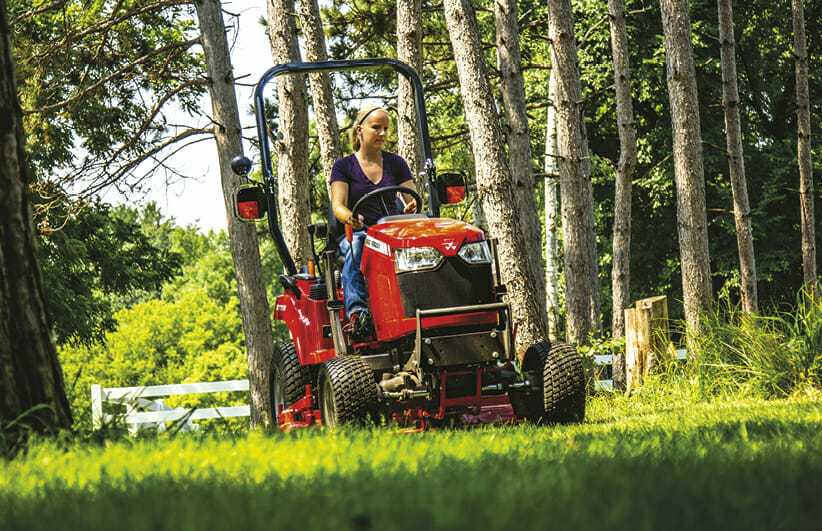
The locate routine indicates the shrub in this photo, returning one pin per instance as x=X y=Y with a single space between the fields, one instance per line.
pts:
x=762 y=355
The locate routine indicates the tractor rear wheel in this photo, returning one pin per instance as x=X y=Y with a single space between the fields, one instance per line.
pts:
x=558 y=367
x=288 y=380
x=348 y=392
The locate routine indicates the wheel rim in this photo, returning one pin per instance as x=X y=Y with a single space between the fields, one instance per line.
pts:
x=277 y=396
x=327 y=404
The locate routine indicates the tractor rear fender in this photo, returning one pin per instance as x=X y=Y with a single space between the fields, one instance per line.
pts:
x=307 y=321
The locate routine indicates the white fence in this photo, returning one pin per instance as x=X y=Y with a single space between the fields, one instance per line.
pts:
x=605 y=359
x=157 y=414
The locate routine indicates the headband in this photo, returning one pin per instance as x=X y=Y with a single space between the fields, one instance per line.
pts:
x=366 y=115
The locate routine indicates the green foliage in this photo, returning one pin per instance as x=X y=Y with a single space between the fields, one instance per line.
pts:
x=722 y=465
x=93 y=80
x=184 y=327
x=759 y=355
x=98 y=256
x=192 y=339
x=599 y=346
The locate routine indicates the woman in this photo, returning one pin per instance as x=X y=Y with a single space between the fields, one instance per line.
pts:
x=369 y=168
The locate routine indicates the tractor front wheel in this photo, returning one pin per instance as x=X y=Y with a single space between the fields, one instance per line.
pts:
x=347 y=391
x=556 y=369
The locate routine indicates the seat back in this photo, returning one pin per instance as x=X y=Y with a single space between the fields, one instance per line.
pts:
x=335 y=229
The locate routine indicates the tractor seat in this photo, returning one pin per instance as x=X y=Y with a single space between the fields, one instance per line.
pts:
x=336 y=230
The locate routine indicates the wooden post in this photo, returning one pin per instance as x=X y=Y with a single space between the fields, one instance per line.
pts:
x=646 y=338
x=660 y=335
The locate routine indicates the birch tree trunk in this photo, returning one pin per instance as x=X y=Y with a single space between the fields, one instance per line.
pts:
x=320 y=82
x=736 y=160
x=30 y=373
x=803 y=124
x=493 y=175
x=248 y=267
x=551 y=211
x=409 y=51
x=517 y=135
x=621 y=261
x=692 y=219
x=579 y=241
x=291 y=137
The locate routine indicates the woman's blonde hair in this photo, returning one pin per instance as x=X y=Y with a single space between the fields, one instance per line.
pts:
x=361 y=116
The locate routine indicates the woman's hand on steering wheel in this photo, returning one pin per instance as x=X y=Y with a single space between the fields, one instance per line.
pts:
x=412 y=206
x=357 y=222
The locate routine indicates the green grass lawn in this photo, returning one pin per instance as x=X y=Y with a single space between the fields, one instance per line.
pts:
x=722 y=465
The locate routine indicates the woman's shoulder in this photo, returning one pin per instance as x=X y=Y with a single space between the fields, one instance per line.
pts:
x=399 y=168
x=347 y=160
x=343 y=168
x=394 y=160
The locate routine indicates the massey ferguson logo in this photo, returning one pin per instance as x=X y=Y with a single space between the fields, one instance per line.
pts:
x=450 y=244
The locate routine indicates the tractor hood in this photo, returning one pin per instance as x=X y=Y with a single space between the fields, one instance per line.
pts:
x=446 y=235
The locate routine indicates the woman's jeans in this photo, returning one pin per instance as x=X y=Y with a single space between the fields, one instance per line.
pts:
x=354 y=290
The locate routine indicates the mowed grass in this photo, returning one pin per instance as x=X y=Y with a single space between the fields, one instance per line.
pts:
x=722 y=465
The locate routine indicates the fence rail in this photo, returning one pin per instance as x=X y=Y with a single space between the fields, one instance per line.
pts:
x=135 y=398
x=602 y=360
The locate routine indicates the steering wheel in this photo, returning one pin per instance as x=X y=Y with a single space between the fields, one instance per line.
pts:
x=395 y=189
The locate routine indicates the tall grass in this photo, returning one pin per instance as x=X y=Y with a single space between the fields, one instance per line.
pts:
x=761 y=355
x=727 y=465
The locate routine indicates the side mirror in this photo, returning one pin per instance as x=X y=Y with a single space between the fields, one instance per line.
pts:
x=451 y=188
x=241 y=165
x=250 y=202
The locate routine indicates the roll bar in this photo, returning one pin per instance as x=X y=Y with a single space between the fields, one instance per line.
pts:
x=269 y=180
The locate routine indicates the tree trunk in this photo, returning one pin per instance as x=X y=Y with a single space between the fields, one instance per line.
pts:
x=803 y=124
x=551 y=210
x=517 y=136
x=254 y=307
x=493 y=175
x=320 y=82
x=409 y=51
x=594 y=302
x=692 y=219
x=30 y=373
x=621 y=258
x=291 y=136
x=736 y=160
x=579 y=240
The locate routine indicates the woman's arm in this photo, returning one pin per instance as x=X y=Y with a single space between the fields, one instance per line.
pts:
x=410 y=202
x=339 y=203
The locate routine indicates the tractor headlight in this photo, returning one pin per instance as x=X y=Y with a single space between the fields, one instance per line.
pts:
x=417 y=258
x=476 y=253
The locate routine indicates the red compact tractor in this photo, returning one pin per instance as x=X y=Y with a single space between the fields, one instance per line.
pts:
x=442 y=349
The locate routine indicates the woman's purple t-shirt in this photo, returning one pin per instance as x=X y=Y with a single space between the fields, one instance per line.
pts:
x=395 y=171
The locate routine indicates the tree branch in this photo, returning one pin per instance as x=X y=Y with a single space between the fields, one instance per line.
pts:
x=119 y=72
x=35 y=12
x=154 y=112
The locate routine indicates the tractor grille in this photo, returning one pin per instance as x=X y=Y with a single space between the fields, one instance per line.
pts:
x=454 y=283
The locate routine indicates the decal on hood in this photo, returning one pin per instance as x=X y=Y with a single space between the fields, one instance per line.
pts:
x=377 y=245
